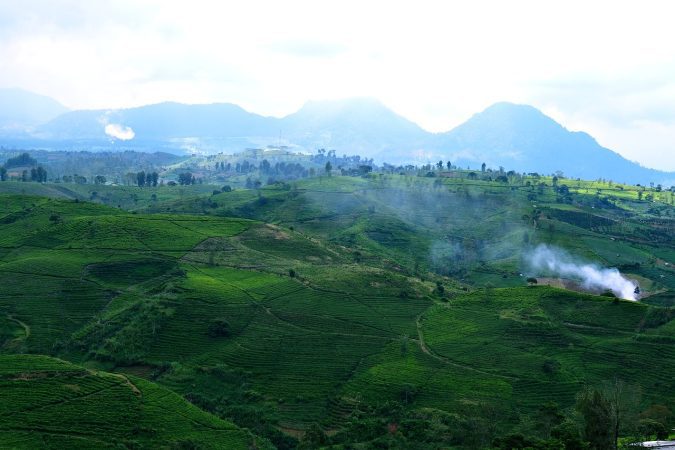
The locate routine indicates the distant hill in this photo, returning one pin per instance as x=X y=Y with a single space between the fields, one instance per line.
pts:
x=517 y=137
x=363 y=125
x=521 y=137
x=162 y=121
x=21 y=109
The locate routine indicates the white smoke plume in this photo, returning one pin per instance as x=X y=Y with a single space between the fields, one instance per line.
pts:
x=119 y=131
x=553 y=261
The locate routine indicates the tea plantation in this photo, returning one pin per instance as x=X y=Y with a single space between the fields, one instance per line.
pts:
x=380 y=312
x=50 y=403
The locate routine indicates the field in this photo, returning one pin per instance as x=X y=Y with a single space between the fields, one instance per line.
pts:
x=49 y=403
x=322 y=311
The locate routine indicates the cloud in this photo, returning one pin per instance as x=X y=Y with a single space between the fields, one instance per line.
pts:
x=308 y=48
x=119 y=132
x=435 y=62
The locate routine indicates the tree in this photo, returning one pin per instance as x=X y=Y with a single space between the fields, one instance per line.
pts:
x=185 y=179
x=328 y=167
x=439 y=164
x=22 y=160
x=314 y=437
x=448 y=165
x=597 y=413
x=624 y=400
x=3 y=174
x=227 y=188
x=100 y=179
x=658 y=413
x=549 y=416
x=24 y=175
x=219 y=328
x=140 y=178
x=482 y=167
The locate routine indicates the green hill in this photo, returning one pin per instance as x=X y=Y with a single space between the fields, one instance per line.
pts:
x=50 y=403
x=381 y=311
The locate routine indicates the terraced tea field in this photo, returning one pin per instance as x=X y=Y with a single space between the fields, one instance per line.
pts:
x=49 y=403
x=324 y=312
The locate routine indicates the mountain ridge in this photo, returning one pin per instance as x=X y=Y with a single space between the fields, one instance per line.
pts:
x=515 y=136
x=24 y=109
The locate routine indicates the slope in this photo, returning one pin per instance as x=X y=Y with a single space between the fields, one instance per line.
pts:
x=21 y=110
x=50 y=403
x=520 y=137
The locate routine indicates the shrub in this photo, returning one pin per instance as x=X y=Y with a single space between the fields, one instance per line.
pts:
x=219 y=328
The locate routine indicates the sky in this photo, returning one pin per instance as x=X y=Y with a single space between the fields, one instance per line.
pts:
x=604 y=67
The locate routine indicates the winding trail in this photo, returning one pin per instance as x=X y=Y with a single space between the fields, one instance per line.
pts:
x=128 y=382
x=26 y=331
x=428 y=351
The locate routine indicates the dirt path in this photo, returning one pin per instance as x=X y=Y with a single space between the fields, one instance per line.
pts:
x=26 y=331
x=428 y=351
x=128 y=382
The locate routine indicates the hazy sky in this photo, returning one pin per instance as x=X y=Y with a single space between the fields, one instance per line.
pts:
x=605 y=67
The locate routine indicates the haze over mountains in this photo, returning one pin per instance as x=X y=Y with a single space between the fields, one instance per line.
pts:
x=517 y=137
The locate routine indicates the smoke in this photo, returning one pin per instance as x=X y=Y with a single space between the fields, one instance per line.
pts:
x=119 y=131
x=553 y=261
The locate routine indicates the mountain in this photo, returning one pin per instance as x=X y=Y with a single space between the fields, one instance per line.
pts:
x=517 y=137
x=162 y=121
x=361 y=125
x=20 y=110
x=522 y=138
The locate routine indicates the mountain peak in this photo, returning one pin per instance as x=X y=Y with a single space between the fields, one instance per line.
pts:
x=349 y=105
x=511 y=118
x=20 y=108
x=514 y=111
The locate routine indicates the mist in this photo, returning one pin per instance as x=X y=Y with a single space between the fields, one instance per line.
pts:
x=546 y=260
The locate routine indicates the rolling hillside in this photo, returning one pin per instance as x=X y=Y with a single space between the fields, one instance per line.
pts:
x=52 y=404
x=324 y=312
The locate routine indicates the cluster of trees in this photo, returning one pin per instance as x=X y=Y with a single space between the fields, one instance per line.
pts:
x=37 y=173
x=147 y=179
x=224 y=167
x=283 y=169
x=22 y=160
x=359 y=171
x=302 y=167
x=186 y=178
x=322 y=156
x=78 y=179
